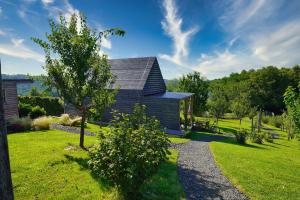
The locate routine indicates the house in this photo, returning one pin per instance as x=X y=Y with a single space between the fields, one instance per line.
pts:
x=140 y=81
x=10 y=96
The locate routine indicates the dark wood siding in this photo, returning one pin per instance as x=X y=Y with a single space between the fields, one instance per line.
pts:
x=155 y=82
x=125 y=101
x=11 y=99
x=165 y=110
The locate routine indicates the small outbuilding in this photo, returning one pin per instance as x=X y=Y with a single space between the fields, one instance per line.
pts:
x=10 y=96
x=140 y=81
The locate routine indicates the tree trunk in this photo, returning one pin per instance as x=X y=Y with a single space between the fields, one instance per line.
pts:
x=252 y=124
x=259 y=120
x=6 y=190
x=240 y=121
x=82 y=130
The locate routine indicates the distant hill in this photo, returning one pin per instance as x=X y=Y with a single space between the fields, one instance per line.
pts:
x=24 y=88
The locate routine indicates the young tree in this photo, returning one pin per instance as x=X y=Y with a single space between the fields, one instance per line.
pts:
x=251 y=114
x=240 y=106
x=74 y=65
x=6 y=189
x=217 y=102
x=196 y=84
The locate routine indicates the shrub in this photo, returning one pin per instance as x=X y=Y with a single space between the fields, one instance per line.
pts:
x=36 y=112
x=15 y=125
x=241 y=136
x=53 y=106
x=24 y=109
x=265 y=119
x=268 y=137
x=257 y=137
x=41 y=123
x=76 y=121
x=130 y=151
x=65 y=120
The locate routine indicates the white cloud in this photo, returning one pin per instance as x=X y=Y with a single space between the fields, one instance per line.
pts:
x=46 y=2
x=18 y=49
x=172 y=25
x=2 y=33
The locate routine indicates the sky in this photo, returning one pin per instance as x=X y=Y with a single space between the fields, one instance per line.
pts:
x=213 y=37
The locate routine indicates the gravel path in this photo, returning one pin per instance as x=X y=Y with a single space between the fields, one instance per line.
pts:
x=200 y=176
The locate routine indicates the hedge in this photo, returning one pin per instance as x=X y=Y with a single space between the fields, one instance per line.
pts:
x=52 y=105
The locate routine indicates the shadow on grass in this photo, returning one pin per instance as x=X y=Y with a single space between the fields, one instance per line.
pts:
x=83 y=163
x=208 y=137
x=164 y=184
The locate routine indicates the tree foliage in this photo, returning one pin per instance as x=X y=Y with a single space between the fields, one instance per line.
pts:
x=195 y=83
x=75 y=67
x=292 y=100
x=130 y=151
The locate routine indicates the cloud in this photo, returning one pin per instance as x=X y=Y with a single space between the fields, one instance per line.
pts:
x=46 y=2
x=2 y=33
x=18 y=49
x=264 y=35
x=172 y=26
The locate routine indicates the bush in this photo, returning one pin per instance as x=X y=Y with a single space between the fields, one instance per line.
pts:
x=24 y=109
x=257 y=137
x=130 y=151
x=19 y=125
x=265 y=119
x=41 y=123
x=65 y=120
x=268 y=137
x=241 y=136
x=36 y=112
x=53 y=106
x=76 y=121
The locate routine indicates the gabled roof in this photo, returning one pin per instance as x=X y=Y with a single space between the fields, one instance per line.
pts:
x=131 y=73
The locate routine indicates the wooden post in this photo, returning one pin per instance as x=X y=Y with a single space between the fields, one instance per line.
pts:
x=191 y=110
x=6 y=190
x=185 y=114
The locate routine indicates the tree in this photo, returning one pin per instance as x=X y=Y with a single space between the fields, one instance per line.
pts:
x=6 y=189
x=292 y=101
x=34 y=92
x=251 y=114
x=74 y=65
x=217 y=102
x=240 y=106
x=196 y=84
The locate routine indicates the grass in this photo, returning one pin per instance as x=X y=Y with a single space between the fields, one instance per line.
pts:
x=49 y=165
x=266 y=171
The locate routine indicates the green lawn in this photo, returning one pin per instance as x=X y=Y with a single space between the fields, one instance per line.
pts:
x=267 y=171
x=45 y=167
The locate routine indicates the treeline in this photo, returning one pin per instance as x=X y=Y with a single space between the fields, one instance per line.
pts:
x=262 y=89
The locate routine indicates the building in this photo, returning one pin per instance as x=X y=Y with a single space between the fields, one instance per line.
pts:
x=140 y=82
x=10 y=96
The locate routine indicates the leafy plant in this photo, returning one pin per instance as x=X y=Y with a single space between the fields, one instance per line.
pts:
x=24 y=109
x=130 y=151
x=257 y=137
x=41 y=123
x=36 y=112
x=268 y=137
x=241 y=136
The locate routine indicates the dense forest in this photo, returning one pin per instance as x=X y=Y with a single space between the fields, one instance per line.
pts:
x=262 y=88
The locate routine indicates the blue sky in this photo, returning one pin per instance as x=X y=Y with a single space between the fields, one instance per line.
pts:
x=215 y=38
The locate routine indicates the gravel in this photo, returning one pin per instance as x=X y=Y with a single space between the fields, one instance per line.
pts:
x=70 y=129
x=200 y=176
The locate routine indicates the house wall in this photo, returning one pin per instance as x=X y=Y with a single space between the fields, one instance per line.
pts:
x=155 y=82
x=165 y=110
x=125 y=102
x=11 y=99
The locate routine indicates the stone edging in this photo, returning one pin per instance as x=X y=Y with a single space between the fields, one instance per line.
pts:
x=70 y=129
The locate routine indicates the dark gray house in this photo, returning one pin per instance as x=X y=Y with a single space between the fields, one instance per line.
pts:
x=140 y=81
